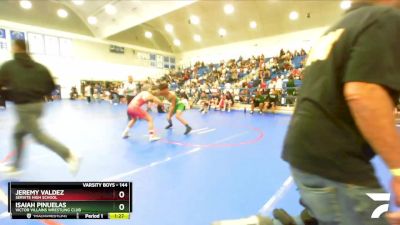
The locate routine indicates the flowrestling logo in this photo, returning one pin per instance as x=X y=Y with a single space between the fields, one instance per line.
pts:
x=380 y=197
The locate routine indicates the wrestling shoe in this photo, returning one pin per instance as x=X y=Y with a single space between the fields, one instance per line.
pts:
x=74 y=162
x=125 y=134
x=169 y=124
x=188 y=129
x=154 y=138
x=252 y=220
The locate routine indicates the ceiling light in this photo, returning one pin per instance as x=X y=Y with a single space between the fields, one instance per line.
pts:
x=197 y=38
x=92 y=20
x=177 y=42
x=110 y=9
x=222 y=32
x=25 y=4
x=78 y=2
x=194 y=20
x=229 y=9
x=148 y=34
x=169 y=28
x=294 y=15
x=253 y=25
x=345 y=5
x=62 y=13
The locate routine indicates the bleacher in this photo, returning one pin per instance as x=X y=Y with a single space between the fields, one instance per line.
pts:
x=246 y=93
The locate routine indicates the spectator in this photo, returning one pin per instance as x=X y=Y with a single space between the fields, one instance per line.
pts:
x=263 y=85
x=91 y=90
x=282 y=54
x=73 y=94
x=114 y=97
x=88 y=94
x=96 y=93
x=279 y=84
x=273 y=99
x=257 y=101
x=121 y=93
x=146 y=85
x=230 y=101
x=272 y=84
x=204 y=102
x=291 y=90
x=303 y=52
x=130 y=89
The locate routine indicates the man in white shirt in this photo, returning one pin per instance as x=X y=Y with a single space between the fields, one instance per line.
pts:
x=130 y=89
x=228 y=86
x=279 y=83
x=272 y=84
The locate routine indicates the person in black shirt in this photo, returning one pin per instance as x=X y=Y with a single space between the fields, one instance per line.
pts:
x=344 y=116
x=290 y=91
x=73 y=94
x=258 y=101
x=204 y=102
x=26 y=82
x=229 y=101
x=272 y=100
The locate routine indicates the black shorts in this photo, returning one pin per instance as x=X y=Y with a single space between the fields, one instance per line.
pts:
x=272 y=102
x=257 y=103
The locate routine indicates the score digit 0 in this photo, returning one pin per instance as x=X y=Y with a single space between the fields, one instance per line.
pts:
x=121 y=194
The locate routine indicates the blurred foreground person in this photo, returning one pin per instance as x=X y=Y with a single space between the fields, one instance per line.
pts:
x=344 y=117
x=2 y=101
x=26 y=83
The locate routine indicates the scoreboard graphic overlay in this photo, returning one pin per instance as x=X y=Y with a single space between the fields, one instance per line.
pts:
x=70 y=200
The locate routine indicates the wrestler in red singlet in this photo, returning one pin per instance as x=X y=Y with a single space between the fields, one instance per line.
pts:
x=134 y=107
x=136 y=113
